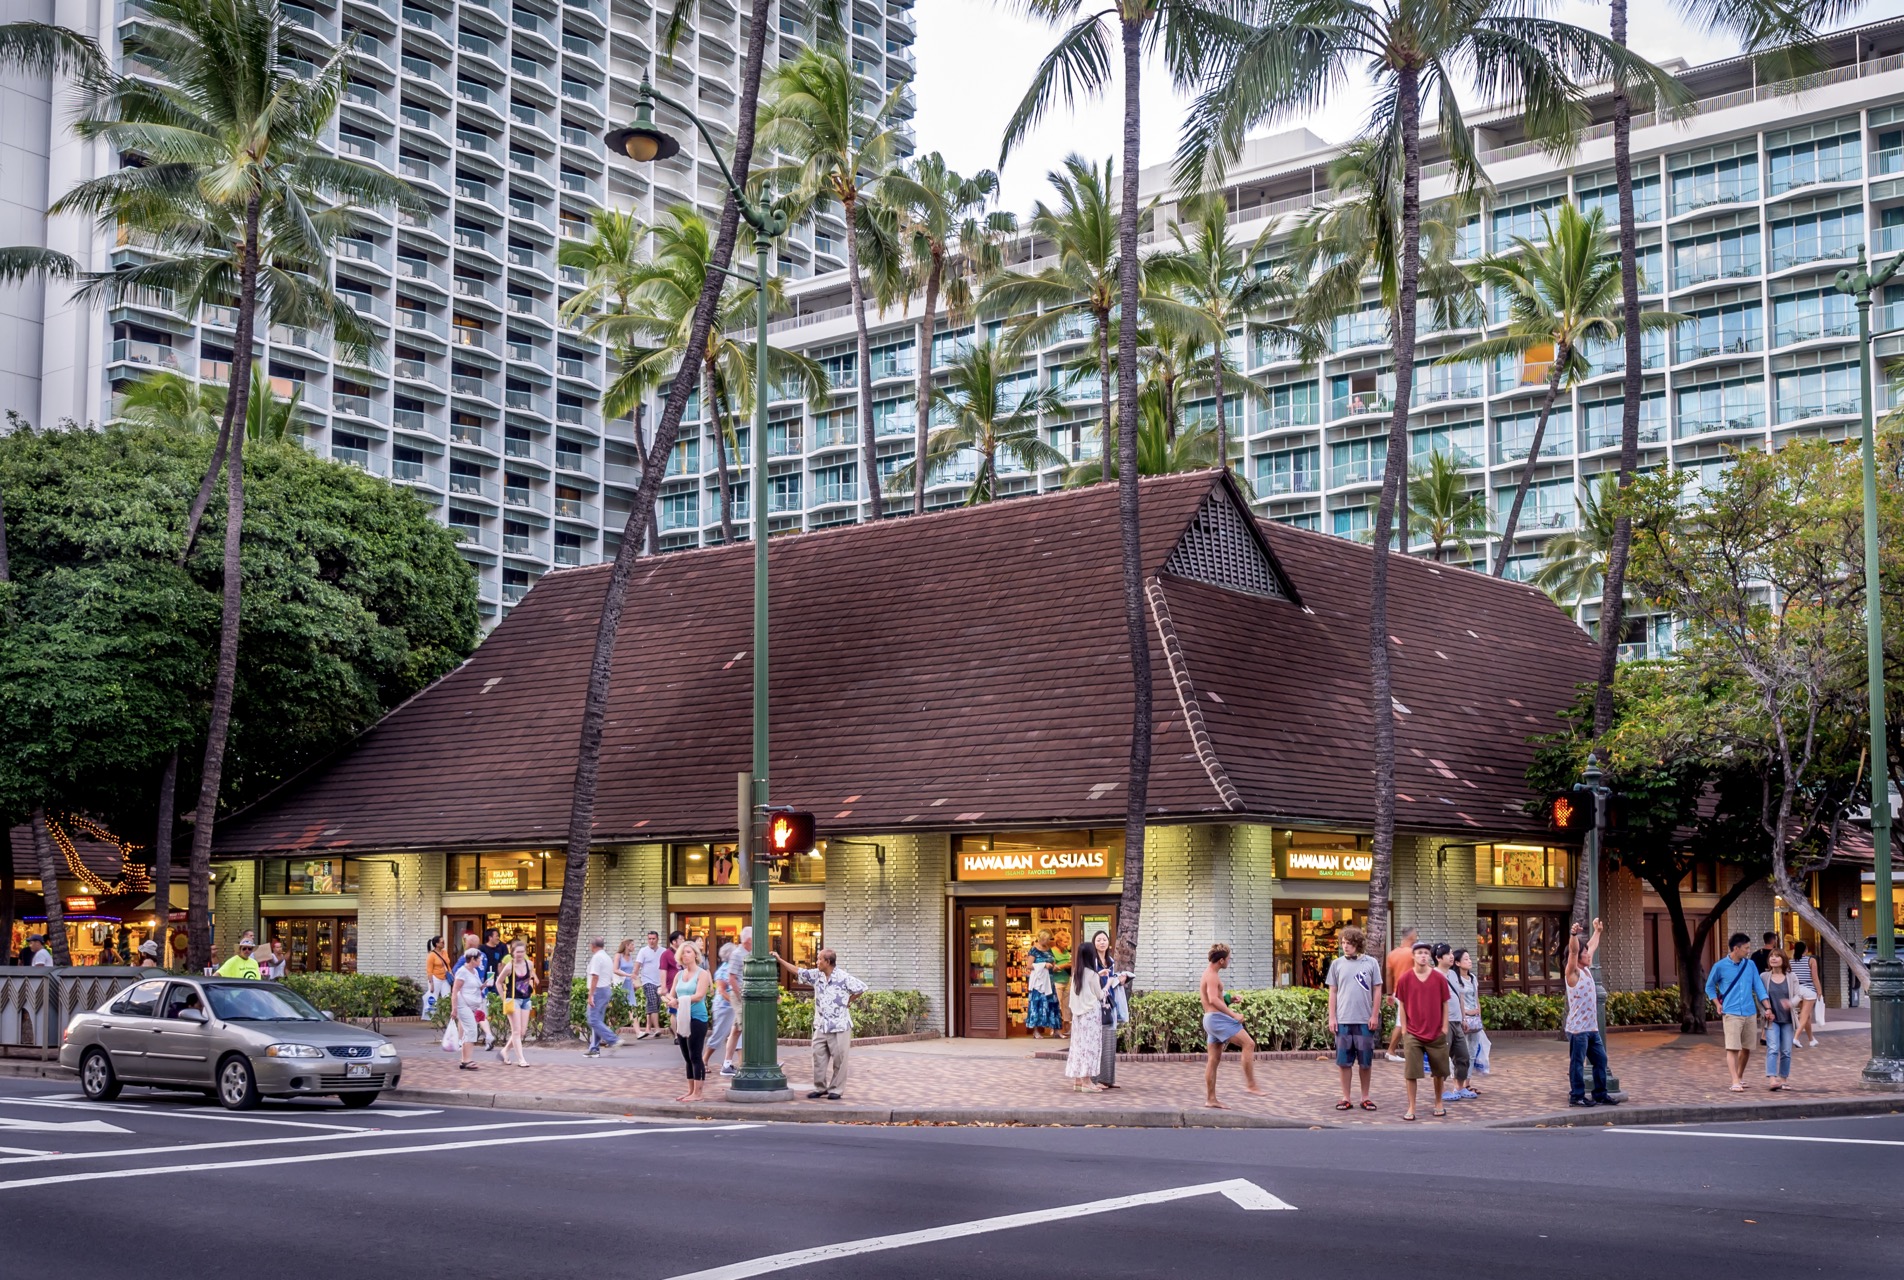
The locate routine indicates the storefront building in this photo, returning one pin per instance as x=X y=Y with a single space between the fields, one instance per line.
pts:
x=106 y=893
x=962 y=739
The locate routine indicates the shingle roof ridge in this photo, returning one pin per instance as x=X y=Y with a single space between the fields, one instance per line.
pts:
x=1420 y=565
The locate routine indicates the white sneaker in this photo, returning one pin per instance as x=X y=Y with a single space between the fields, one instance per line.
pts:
x=727 y=1068
x=1393 y=1057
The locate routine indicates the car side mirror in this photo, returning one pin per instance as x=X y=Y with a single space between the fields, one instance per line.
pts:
x=191 y=1015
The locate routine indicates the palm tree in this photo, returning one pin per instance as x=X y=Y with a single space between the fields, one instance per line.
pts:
x=1160 y=451
x=1563 y=291
x=588 y=748
x=837 y=152
x=1574 y=562
x=650 y=323
x=953 y=240
x=988 y=416
x=41 y=48
x=1191 y=33
x=1219 y=277
x=171 y=402
x=1420 y=52
x=1442 y=509
x=229 y=138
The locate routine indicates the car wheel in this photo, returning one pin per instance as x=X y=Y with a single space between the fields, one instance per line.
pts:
x=96 y=1076
x=237 y=1084
x=355 y=1100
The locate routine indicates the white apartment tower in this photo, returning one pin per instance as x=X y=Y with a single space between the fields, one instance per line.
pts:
x=494 y=110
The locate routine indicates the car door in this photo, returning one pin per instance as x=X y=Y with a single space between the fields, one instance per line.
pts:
x=127 y=1029
x=182 y=1047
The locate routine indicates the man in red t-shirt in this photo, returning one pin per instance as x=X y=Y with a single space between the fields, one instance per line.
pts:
x=1422 y=996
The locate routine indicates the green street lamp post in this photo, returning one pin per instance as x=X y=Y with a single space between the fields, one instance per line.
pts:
x=759 y=1078
x=1596 y=843
x=1886 y=1068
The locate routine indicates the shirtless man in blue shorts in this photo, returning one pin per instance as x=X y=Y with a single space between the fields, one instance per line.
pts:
x=1221 y=1027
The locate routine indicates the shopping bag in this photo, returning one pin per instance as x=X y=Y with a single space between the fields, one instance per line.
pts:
x=1482 y=1046
x=452 y=1039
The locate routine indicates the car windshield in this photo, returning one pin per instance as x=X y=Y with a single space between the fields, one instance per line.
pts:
x=260 y=1004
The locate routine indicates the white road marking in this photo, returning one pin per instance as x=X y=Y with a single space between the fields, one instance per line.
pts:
x=61 y=1126
x=1762 y=1137
x=1240 y=1190
x=276 y=1162
x=190 y=1113
x=42 y=1157
x=391 y=1111
x=21 y=1151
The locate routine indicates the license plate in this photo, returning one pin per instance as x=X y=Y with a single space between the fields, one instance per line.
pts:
x=357 y=1071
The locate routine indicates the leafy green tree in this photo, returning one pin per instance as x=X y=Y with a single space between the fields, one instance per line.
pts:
x=230 y=141
x=1442 y=509
x=837 y=152
x=988 y=416
x=1764 y=576
x=1421 y=52
x=952 y=239
x=1563 y=291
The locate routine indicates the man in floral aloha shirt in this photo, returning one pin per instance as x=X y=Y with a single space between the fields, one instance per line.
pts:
x=834 y=990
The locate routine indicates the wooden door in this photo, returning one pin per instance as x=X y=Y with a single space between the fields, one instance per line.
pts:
x=983 y=965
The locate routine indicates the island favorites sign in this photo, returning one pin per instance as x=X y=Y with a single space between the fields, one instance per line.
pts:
x=1035 y=864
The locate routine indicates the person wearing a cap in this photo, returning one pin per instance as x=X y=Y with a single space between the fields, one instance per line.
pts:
x=42 y=958
x=241 y=965
x=149 y=954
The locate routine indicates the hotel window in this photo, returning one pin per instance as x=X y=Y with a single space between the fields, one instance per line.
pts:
x=1521 y=866
x=308 y=876
x=504 y=872
x=696 y=866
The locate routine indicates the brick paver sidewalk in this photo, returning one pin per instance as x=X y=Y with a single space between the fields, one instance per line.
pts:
x=1529 y=1079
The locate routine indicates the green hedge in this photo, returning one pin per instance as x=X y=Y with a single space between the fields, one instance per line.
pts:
x=877 y=1013
x=354 y=996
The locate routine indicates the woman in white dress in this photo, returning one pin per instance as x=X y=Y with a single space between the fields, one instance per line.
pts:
x=1086 y=994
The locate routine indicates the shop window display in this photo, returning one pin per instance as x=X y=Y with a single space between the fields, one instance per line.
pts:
x=1521 y=866
x=1307 y=938
x=523 y=872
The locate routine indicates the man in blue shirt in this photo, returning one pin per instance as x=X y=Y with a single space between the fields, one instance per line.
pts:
x=1735 y=983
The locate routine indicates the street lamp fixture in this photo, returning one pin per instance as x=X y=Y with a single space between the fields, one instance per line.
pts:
x=1886 y=1067
x=759 y=1078
x=1592 y=783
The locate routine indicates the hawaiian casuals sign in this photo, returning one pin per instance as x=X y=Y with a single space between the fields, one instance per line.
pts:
x=1327 y=864
x=1049 y=864
x=831 y=993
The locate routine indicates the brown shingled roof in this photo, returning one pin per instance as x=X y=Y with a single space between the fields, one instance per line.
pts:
x=966 y=668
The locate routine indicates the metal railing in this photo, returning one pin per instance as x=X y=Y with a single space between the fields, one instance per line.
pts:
x=36 y=1003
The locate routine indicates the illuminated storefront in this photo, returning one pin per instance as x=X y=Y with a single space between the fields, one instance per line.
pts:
x=708 y=900
x=310 y=905
x=518 y=893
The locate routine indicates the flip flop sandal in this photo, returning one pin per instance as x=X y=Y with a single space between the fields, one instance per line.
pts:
x=1439 y=1115
x=1409 y=1116
x=1344 y=1105
x=1367 y=1105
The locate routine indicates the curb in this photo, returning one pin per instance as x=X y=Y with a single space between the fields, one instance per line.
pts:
x=1724 y=1113
x=35 y=1069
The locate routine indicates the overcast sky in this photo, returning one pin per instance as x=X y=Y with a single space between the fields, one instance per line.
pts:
x=976 y=59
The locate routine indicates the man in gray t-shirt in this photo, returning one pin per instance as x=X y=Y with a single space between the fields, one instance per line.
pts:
x=1355 y=993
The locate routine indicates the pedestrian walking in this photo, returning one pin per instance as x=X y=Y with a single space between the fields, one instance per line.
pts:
x=1458 y=1060
x=1781 y=997
x=1468 y=989
x=1805 y=983
x=834 y=990
x=625 y=975
x=688 y=1001
x=1222 y=1027
x=1421 y=1003
x=149 y=954
x=1734 y=983
x=516 y=985
x=601 y=985
x=648 y=973
x=467 y=1000
x=238 y=965
x=1086 y=995
x=1107 y=980
x=1042 y=1013
x=1768 y=943
x=494 y=950
x=726 y=1007
x=436 y=974
x=736 y=980
x=1355 y=995
x=1585 y=1044
x=1400 y=960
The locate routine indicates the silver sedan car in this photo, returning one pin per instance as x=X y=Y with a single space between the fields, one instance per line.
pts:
x=236 y=1039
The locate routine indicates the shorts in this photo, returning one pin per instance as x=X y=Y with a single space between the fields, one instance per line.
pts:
x=524 y=1004
x=722 y=1025
x=1221 y=1028
x=653 y=994
x=1413 y=1047
x=1354 y=1044
x=1741 y=1031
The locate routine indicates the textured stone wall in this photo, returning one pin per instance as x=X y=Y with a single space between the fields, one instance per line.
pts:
x=1750 y=912
x=1245 y=874
x=1623 y=946
x=399 y=908
x=886 y=923
x=1433 y=891
x=1187 y=906
x=234 y=907
x=626 y=895
x=1838 y=894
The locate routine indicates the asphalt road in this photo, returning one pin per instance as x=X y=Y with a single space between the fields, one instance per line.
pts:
x=403 y=1191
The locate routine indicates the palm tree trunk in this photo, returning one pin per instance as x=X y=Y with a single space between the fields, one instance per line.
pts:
x=203 y=498
x=921 y=430
x=49 y=889
x=5 y=572
x=717 y=413
x=588 y=751
x=868 y=447
x=1105 y=437
x=162 y=855
x=225 y=679
x=1394 y=472
x=1222 y=437
x=1137 y=789
x=1561 y=355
